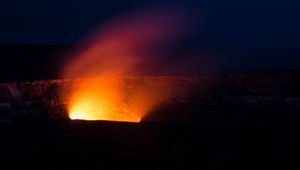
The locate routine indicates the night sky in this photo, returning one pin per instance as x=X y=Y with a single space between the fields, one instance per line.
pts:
x=253 y=34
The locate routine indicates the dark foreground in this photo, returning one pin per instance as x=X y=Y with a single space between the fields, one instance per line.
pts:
x=69 y=144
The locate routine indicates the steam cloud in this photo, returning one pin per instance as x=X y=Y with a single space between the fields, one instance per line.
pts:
x=125 y=46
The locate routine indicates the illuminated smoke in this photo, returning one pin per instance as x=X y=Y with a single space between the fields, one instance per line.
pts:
x=116 y=50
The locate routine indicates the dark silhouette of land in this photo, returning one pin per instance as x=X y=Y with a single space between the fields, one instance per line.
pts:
x=152 y=145
x=240 y=120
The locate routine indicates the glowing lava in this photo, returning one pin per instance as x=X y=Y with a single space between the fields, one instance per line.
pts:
x=100 y=99
x=97 y=110
x=89 y=109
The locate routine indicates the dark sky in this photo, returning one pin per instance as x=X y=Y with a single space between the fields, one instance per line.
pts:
x=250 y=28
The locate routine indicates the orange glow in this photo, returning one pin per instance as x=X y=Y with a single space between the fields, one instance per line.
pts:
x=100 y=99
x=95 y=109
x=120 y=48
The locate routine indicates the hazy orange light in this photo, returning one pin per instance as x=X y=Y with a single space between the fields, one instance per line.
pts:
x=117 y=50
x=89 y=109
x=96 y=110
x=100 y=98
